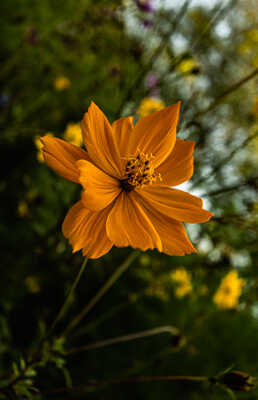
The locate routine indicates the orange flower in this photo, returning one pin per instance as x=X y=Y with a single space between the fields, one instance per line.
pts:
x=126 y=174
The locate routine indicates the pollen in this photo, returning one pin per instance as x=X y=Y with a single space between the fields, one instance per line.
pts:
x=139 y=172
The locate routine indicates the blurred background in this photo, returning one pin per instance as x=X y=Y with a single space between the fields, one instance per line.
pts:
x=131 y=58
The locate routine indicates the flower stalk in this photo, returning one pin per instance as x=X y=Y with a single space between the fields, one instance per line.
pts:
x=114 y=277
x=67 y=302
x=118 y=381
x=126 y=338
x=155 y=378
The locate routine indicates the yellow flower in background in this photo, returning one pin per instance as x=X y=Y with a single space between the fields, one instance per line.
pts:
x=183 y=282
x=73 y=134
x=23 y=209
x=149 y=105
x=32 y=284
x=189 y=66
x=62 y=83
x=39 y=146
x=182 y=290
x=229 y=291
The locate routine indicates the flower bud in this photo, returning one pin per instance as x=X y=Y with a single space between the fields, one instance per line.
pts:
x=237 y=381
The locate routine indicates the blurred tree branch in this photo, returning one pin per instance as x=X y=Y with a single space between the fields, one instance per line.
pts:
x=125 y=338
x=252 y=182
x=228 y=91
x=226 y=159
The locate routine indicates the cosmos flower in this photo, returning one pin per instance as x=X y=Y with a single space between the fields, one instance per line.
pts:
x=189 y=66
x=183 y=282
x=126 y=174
x=229 y=291
x=149 y=105
x=73 y=134
x=62 y=83
x=39 y=146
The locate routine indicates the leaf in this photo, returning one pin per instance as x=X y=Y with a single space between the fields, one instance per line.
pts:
x=15 y=369
x=231 y=394
x=225 y=371
x=30 y=372
x=68 y=379
x=22 y=364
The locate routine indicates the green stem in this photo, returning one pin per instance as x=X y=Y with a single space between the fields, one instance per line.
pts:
x=82 y=388
x=119 y=271
x=126 y=338
x=67 y=302
x=153 y=379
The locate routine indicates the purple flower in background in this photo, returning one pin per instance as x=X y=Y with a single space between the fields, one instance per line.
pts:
x=151 y=83
x=145 y=5
x=147 y=23
x=151 y=80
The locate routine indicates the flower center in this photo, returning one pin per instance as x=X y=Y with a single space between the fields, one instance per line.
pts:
x=139 y=171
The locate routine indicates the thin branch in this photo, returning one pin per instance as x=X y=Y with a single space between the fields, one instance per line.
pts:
x=129 y=380
x=113 y=278
x=125 y=338
x=226 y=159
x=228 y=91
x=240 y=221
x=250 y=182
x=68 y=299
x=231 y=89
x=153 y=379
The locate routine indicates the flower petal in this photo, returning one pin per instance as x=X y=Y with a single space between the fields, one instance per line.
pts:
x=156 y=134
x=128 y=225
x=172 y=233
x=99 y=141
x=87 y=230
x=178 y=167
x=62 y=156
x=175 y=203
x=122 y=130
x=100 y=188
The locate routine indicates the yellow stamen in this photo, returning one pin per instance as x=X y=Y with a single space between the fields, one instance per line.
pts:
x=139 y=172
